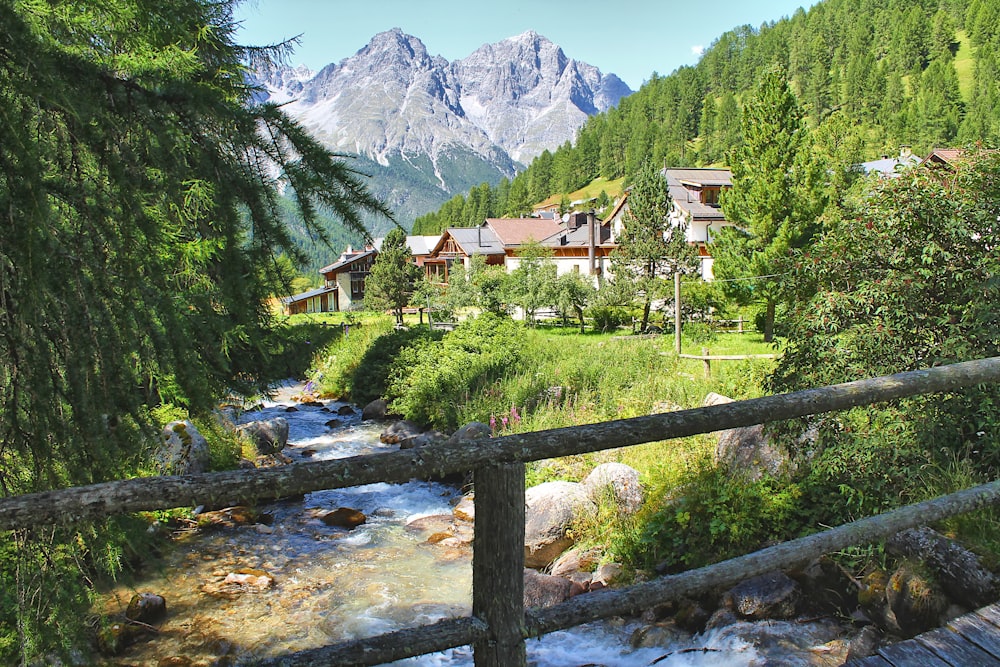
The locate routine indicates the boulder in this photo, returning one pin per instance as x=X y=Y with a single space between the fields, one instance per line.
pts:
x=423 y=440
x=268 y=436
x=545 y=590
x=345 y=411
x=183 y=450
x=605 y=575
x=344 y=517
x=916 y=601
x=617 y=480
x=656 y=635
x=768 y=596
x=746 y=451
x=958 y=570
x=377 y=409
x=332 y=423
x=147 y=608
x=576 y=560
x=471 y=431
x=550 y=510
x=399 y=431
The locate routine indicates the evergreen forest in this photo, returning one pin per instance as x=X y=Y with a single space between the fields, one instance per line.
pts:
x=876 y=74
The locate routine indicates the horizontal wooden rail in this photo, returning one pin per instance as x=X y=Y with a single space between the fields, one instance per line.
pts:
x=388 y=647
x=727 y=357
x=248 y=486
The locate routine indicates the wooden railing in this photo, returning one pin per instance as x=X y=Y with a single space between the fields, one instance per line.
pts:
x=499 y=624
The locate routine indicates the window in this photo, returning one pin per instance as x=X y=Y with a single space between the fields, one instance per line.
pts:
x=710 y=196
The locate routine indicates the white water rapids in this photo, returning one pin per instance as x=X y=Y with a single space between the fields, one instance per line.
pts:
x=332 y=585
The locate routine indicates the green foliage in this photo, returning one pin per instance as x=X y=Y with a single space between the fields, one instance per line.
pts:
x=430 y=381
x=140 y=237
x=393 y=276
x=369 y=380
x=651 y=248
x=608 y=318
x=338 y=364
x=924 y=292
x=532 y=284
x=716 y=517
x=775 y=199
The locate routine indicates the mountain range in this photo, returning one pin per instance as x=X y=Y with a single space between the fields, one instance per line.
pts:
x=426 y=129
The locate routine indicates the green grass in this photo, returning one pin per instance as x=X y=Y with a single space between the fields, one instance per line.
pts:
x=964 y=65
x=612 y=188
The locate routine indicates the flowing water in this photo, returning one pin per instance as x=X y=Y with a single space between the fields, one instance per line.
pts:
x=329 y=584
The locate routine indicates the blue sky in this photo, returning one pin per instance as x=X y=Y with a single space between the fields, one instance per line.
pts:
x=632 y=38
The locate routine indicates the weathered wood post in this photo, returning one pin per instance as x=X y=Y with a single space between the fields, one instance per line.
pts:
x=498 y=565
x=708 y=362
x=739 y=324
x=677 y=312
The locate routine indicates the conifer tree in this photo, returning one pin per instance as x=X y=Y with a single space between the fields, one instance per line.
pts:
x=773 y=201
x=393 y=276
x=139 y=226
x=650 y=249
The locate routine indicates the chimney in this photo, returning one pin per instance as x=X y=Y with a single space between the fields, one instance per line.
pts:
x=591 y=244
x=905 y=151
x=479 y=234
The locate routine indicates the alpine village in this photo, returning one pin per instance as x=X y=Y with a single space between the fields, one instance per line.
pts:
x=495 y=361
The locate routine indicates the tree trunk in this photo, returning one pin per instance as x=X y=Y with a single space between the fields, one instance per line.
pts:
x=645 y=315
x=769 y=322
x=579 y=314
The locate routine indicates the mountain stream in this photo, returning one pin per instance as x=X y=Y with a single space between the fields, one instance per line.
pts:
x=311 y=584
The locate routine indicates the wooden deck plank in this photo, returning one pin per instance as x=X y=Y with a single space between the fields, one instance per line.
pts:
x=908 y=653
x=991 y=614
x=979 y=631
x=871 y=661
x=956 y=649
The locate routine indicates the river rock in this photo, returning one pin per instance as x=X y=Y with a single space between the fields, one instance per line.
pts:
x=183 y=450
x=471 y=431
x=916 y=601
x=332 y=423
x=268 y=436
x=545 y=590
x=345 y=411
x=465 y=510
x=344 y=517
x=746 y=451
x=427 y=439
x=114 y=637
x=619 y=481
x=375 y=410
x=658 y=634
x=576 y=560
x=767 y=596
x=550 y=510
x=229 y=517
x=958 y=570
x=605 y=575
x=399 y=431
x=788 y=643
x=147 y=608
x=865 y=643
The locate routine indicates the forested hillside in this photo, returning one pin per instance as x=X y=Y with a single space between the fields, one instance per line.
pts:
x=875 y=74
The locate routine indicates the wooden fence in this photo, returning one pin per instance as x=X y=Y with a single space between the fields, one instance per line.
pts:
x=499 y=624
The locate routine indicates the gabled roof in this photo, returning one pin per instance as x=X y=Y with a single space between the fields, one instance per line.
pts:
x=514 y=232
x=579 y=237
x=619 y=206
x=944 y=155
x=346 y=260
x=418 y=245
x=471 y=240
x=302 y=296
x=684 y=184
x=890 y=166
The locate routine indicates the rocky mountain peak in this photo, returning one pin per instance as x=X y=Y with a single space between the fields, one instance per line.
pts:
x=392 y=101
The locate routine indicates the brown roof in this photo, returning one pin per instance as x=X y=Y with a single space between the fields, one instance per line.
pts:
x=517 y=231
x=945 y=155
